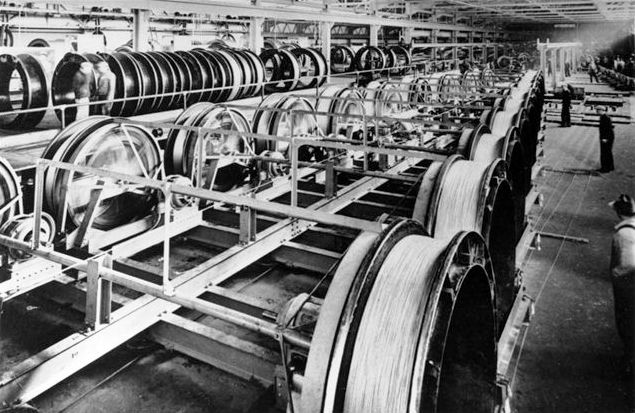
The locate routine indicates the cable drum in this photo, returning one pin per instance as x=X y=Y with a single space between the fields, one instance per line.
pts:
x=393 y=328
x=282 y=67
x=369 y=58
x=340 y=101
x=342 y=59
x=385 y=99
x=181 y=150
x=313 y=69
x=62 y=84
x=128 y=84
x=461 y=195
x=489 y=148
x=99 y=142
x=273 y=118
x=10 y=191
x=23 y=85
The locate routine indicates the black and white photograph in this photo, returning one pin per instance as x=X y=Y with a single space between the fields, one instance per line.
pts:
x=317 y=206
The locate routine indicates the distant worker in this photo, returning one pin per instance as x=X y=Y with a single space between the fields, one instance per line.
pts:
x=607 y=137
x=623 y=276
x=593 y=72
x=567 y=69
x=565 y=114
x=105 y=87
x=82 y=82
x=464 y=66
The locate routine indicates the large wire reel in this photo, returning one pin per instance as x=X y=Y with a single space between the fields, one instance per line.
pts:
x=224 y=164
x=340 y=101
x=23 y=85
x=460 y=195
x=100 y=142
x=406 y=322
x=275 y=116
x=10 y=192
x=62 y=84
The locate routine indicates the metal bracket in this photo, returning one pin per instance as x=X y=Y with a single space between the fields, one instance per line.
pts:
x=247 y=225
x=98 y=294
x=330 y=180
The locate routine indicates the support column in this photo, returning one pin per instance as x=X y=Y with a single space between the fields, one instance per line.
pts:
x=407 y=35
x=562 y=57
x=141 y=30
x=552 y=67
x=373 y=33
x=543 y=61
x=256 y=40
x=325 y=37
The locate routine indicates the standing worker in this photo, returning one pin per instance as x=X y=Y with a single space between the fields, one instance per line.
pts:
x=105 y=87
x=606 y=141
x=82 y=82
x=593 y=72
x=565 y=114
x=623 y=275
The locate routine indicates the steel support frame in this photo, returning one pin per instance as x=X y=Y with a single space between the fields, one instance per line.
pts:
x=42 y=371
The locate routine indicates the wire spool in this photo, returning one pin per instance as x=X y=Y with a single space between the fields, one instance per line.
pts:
x=282 y=67
x=313 y=70
x=389 y=331
x=503 y=121
x=340 y=101
x=272 y=118
x=234 y=75
x=183 y=76
x=62 y=84
x=128 y=84
x=369 y=58
x=197 y=71
x=219 y=75
x=99 y=142
x=207 y=74
x=403 y=60
x=325 y=64
x=166 y=80
x=10 y=191
x=21 y=227
x=385 y=99
x=461 y=195
x=257 y=72
x=342 y=59
x=489 y=148
x=181 y=149
x=23 y=85
x=150 y=82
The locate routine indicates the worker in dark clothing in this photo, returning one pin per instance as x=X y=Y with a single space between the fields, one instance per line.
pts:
x=82 y=82
x=593 y=72
x=105 y=87
x=606 y=141
x=565 y=114
x=567 y=69
x=623 y=276
x=464 y=66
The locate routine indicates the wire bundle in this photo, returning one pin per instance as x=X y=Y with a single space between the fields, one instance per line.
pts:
x=386 y=346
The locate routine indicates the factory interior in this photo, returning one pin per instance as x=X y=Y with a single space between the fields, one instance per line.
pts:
x=312 y=206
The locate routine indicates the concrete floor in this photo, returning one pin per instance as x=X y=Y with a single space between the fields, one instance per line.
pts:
x=571 y=360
